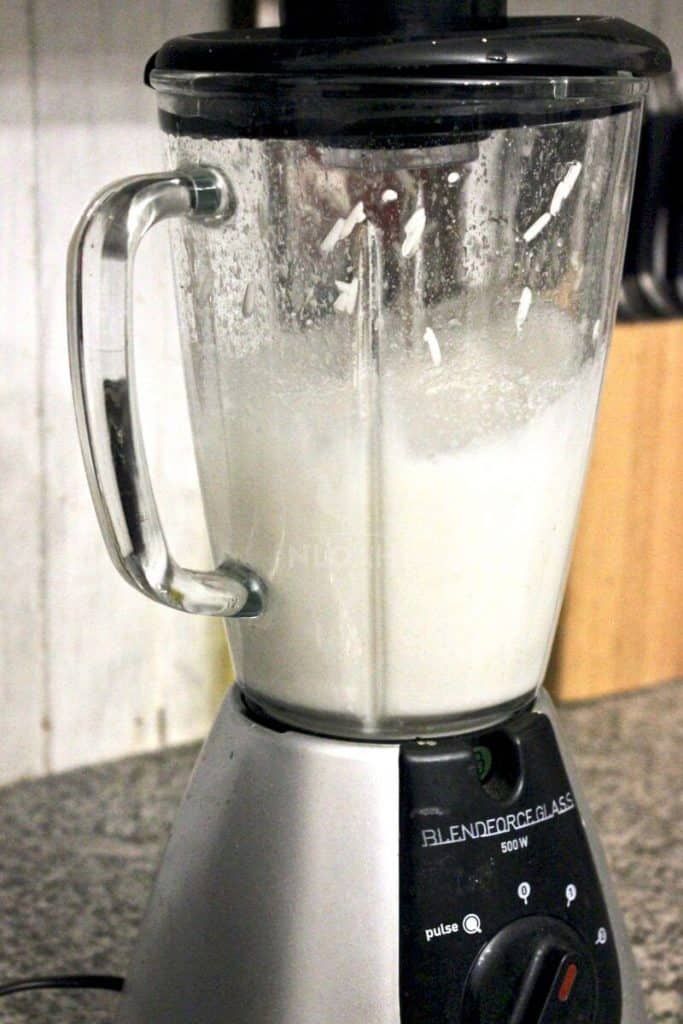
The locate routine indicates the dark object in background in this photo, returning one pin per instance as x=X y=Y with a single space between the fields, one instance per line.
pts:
x=242 y=13
x=652 y=287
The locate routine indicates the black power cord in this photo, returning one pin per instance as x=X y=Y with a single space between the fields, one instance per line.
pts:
x=108 y=982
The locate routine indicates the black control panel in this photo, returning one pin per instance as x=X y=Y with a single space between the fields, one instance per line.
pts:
x=502 y=917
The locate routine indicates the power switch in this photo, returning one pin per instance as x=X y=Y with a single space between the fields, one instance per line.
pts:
x=534 y=971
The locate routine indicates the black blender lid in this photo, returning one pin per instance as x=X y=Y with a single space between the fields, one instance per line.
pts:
x=302 y=78
x=418 y=37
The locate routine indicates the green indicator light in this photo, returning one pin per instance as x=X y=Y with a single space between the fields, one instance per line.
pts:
x=484 y=759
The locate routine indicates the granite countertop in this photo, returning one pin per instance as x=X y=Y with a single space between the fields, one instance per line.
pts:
x=78 y=852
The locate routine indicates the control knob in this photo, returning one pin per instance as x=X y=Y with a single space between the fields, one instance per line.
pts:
x=536 y=970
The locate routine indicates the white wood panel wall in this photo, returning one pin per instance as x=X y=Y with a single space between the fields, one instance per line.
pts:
x=89 y=669
x=22 y=620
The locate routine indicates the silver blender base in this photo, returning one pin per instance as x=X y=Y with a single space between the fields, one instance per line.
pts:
x=277 y=899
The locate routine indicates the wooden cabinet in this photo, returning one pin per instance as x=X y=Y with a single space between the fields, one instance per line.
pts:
x=622 y=622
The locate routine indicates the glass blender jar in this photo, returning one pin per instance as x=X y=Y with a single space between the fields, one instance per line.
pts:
x=395 y=308
x=398 y=234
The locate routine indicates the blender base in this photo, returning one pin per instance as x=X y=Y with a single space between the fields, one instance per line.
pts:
x=310 y=880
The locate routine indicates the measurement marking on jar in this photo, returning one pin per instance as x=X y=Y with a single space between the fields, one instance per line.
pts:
x=356 y=216
x=565 y=187
x=433 y=345
x=333 y=235
x=537 y=227
x=348 y=294
x=413 y=230
x=525 y=301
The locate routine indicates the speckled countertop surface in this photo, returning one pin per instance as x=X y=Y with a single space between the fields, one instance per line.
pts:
x=78 y=852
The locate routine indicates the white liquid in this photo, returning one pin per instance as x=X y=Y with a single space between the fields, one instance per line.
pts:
x=415 y=569
x=477 y=546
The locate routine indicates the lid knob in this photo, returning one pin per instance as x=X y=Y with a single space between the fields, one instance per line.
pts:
x=336 y=18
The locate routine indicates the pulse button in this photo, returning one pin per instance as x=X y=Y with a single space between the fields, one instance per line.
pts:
x=536 y=970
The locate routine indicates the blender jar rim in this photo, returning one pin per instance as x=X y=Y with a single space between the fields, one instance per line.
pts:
x=621 y=86
x=371 y=110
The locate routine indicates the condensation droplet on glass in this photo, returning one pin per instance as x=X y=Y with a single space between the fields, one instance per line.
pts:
x=453 y=178
x=249 y=299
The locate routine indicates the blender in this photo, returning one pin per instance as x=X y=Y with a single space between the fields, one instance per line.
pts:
x=398 y=232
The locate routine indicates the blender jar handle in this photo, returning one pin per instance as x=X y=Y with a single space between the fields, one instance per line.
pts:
x=100 y=319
